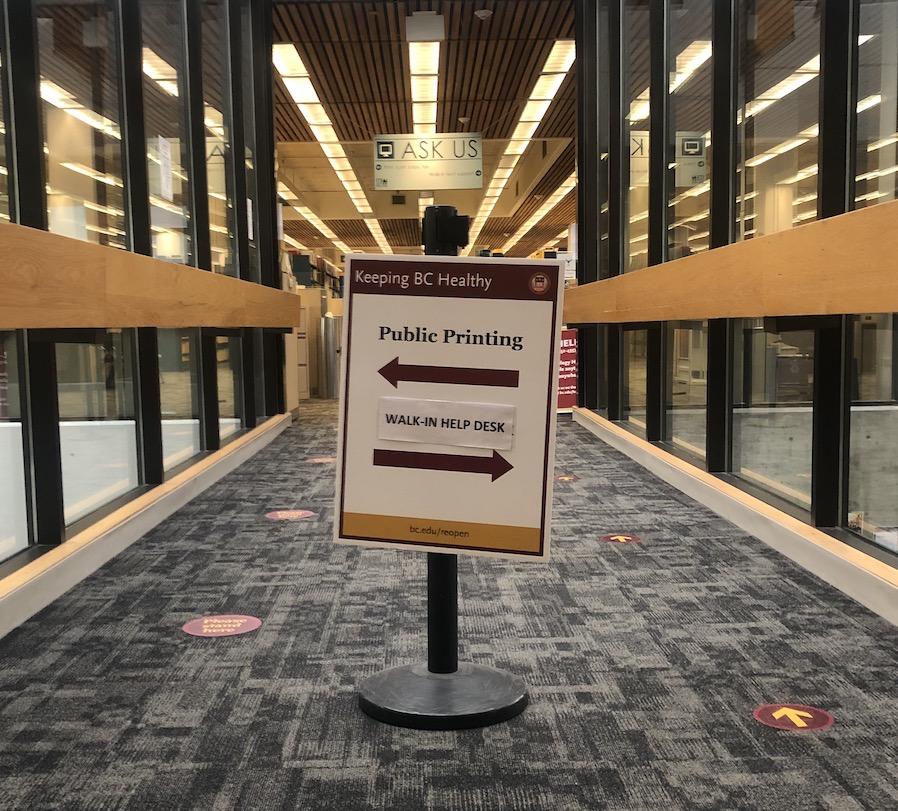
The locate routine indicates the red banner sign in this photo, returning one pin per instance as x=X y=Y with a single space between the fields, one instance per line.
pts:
x=567 y=370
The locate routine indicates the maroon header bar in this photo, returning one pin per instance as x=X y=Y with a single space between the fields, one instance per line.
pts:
x=457 y=279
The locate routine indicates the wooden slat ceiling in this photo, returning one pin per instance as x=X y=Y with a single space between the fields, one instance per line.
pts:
x=357 y=55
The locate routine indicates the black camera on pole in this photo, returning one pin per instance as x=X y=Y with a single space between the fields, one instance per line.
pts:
x=444 y=231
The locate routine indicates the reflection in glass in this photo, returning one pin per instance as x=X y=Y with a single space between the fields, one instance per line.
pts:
x=638 y=61
x=79 y=87
x=773 y=393
x=777 y=116
x=873 y=472
x=230 y=385
x=13 y=511
x=218 y=140
x=179 y=395
x=165 y=112
x=97 y=425
x=634 y=380
x=690 y=115
x=877 y=111
x=687 y=386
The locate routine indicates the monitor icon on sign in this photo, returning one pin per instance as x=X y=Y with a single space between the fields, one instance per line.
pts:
x=692 y=146
x=384 y=150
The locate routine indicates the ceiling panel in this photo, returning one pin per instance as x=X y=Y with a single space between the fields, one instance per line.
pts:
x=357 y=56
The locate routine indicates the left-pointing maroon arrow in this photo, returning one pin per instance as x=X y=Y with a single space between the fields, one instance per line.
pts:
x=395 y=371
x=495 y=465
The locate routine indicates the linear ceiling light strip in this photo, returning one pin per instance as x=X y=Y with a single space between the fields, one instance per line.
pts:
x=307 y=214
x=553 y=200
x=424 y=63
x=295 y=76
x=556 y=67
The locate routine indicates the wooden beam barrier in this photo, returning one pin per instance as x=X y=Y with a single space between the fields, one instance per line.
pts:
x=49 y=281
x=840 y=265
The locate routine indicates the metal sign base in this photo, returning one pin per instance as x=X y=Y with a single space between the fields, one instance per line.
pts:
x=413 y=697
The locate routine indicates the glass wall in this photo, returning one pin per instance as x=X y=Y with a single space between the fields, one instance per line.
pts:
x=687 y=386
x=877 y=110
x=97 y=422
x=873 y=472
x=179 y=395
x=637 y=59
x=773 y=409
x=689 y=90
x=13 y=510
x=778 y=87
x=633 y=411
x=165 y=120
x=4 y=173
x=230 y=385
x=79 y=88
x=218 y=139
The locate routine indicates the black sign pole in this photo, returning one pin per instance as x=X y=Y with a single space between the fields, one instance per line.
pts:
x=445 y=695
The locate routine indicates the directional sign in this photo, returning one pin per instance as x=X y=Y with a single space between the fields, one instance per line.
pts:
x=441 y=161
x=620 y=537
x=447 y=420
x=288 y=515
x=222 y=625
x=793 y=717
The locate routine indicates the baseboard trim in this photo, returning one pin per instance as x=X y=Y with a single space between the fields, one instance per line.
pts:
x=865 y=579
x=37 y=584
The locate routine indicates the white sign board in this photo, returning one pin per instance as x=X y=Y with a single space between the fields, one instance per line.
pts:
x=451 y=160
x=447 y=416
x=166 y=181
x=692 y=163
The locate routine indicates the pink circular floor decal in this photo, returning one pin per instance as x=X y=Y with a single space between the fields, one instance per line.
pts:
x=222 y=625
x=567 y=478
x=321 y=460
x=289 y=515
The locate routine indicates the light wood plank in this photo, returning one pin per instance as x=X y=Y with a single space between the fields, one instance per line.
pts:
x=54 y=282
x=846 y=264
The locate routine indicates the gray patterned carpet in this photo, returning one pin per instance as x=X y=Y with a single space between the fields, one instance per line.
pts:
x=644 y=663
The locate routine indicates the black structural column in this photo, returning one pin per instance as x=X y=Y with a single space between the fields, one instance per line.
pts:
x=722 y=229
x=659 y=141
x=137 y=217
x=45 y=443
x=26 y=160
x=588 y=190
x=192 y=87
x=28 y=206
x=618 y=164
x=835 y=192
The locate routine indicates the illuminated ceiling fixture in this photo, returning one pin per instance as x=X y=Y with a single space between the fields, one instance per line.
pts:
x=296 y=79
x=290 y=241
x=556 y=67
x=306 y=213
x=424 y=31
x=160 y=71
x=690 y=59
x=53 y=94
x=551 y=201
x=425 y=199
x=93 y=174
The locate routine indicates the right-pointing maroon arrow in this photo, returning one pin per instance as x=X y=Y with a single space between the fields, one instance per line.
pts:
x=395 y=371
x=495 y=465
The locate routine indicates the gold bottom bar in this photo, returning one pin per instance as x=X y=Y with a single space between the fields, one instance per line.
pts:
x=438 y=532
